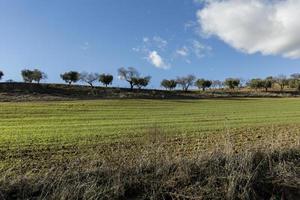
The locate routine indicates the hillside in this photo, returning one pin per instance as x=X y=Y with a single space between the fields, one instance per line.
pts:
x=35 y=92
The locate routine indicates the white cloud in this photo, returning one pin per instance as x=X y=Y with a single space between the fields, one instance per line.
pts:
x=270 y=27
x=159 y=42
x=184 y=51
x=155 y=42
x=155 y=59
x=150 y=48
x=200 y=50
x=195 y=48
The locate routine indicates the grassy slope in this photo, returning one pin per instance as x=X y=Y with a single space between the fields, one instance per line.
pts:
x=77 y=121
x=80 y=149
x=24 y=92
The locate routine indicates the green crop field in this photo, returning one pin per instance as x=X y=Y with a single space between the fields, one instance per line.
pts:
x=39 y=126
x=74 y=122
x=41 y=123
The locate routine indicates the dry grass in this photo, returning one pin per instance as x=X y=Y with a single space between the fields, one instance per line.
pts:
x=153 y=168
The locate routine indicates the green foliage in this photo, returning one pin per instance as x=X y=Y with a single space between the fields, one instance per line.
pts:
x=217 y=84
x=141 y=81
x=1 y=75
x=256 y=83
x=128 y=74
x=169 y=84
x=282 y=81
x=38 y=75
x=89 y=78
x=27 y=75
x=33 y=75
x=203 y=84
x=232 y=83
x=294 y=83
x=186 y=81
x=70 y=77
x=261 y=83
x=106 y=79
x=267 y=83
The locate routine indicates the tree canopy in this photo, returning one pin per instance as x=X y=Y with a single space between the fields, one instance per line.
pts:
x=168 y=84
x=186 y=81
x=1 y=75
x=203 y=84
x=232 y=82
x=89 y=78
x=106 y=79
x=128 y=74
x=70 y=77
x=141 y=81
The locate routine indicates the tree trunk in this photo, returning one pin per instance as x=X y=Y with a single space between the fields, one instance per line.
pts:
x=131 y=85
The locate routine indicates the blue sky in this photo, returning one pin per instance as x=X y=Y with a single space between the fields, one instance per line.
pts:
x=161 y=38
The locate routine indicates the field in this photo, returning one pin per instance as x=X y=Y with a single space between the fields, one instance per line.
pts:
x=39 y=136
x=90 y=122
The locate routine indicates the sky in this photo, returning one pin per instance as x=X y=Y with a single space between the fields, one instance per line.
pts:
x=212 y=39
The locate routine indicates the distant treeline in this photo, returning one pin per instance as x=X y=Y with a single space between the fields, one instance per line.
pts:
x=134 y=79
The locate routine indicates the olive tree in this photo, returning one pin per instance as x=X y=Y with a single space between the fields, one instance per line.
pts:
x=106 y=79
x=38 y=75
x=89 y=78
x=294 y=81
x=217 y=84
x=282 y=81
x=128 y=74
x=256 y=83
x=1 y=74
x=203 y=84
x=140 y=82
x=70 y=77
x=295 y=76
x=186 y=81
x=27 y=75
x=267 y=83
x=168 y=84
x=232 y=82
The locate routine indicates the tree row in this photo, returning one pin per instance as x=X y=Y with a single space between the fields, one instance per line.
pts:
x=134 y=79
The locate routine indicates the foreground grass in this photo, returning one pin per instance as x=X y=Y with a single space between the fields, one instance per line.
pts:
x=150 y=149
x=149 y=168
